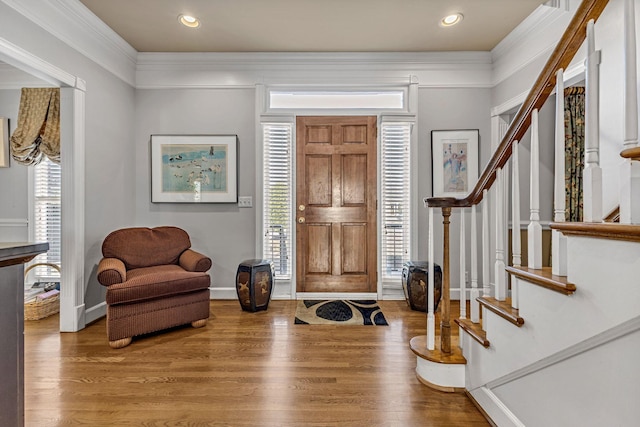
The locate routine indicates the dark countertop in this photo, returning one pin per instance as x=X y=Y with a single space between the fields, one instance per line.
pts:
x=20 y=252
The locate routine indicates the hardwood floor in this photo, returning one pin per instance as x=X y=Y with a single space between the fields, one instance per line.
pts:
x=242 y=369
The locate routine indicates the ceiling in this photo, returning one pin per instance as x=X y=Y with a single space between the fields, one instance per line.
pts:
x=312 y=25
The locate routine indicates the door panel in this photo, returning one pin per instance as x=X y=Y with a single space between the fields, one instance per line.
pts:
x=319 y=248
x=318 y=180
x=336 y=204
x=354 y=180
x=354 y=259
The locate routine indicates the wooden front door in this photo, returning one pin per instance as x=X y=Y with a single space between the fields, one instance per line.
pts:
x=336 y=204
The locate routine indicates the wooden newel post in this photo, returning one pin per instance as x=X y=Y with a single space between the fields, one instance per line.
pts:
x=445 y=322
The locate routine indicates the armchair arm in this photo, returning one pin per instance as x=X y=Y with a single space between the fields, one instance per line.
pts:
x=191 y=260
x=111 y=271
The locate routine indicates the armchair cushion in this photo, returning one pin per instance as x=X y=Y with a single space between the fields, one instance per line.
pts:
x=156 y=282
x=141 y=247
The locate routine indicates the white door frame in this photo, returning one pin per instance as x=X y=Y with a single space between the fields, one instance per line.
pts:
x=72 y=140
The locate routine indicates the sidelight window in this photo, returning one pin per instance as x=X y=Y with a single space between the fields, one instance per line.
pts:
x=277 y=196
x=395 y=198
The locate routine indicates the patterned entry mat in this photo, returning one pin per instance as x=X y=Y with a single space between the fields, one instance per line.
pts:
x=339 y=312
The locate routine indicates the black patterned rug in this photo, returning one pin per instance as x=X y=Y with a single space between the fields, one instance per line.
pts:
x=339 y=312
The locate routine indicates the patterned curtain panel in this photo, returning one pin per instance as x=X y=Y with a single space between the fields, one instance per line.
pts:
x=38 y=131
x=574 y=151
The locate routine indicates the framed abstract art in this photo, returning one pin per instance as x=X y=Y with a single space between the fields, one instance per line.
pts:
x=194 y=168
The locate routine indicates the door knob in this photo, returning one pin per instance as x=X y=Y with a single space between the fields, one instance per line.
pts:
x=301 y=208
x=301 y=220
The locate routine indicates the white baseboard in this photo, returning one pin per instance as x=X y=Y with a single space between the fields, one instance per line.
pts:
x=280 y=294
x=96 y=312
x=337 y=295
x=223 y=293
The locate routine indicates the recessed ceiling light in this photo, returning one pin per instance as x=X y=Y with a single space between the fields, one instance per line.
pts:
x=189 y=21
x=451 y=20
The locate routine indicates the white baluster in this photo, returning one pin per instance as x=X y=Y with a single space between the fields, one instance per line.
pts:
x=516 y=247
x=630 y=171
x=486 y=257
x=559 y=240
x=475 y=306
x=500 y=277
x=630 y=75
x=431 y=318
x=506 y=175
x=463 y=267
x=592 y=176
x=534 y=231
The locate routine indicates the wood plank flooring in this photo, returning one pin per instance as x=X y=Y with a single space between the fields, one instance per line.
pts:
x=242 y=369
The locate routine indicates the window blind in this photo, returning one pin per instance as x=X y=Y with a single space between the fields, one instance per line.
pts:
x=395 y=198
x=277 y=196
x=48 y=218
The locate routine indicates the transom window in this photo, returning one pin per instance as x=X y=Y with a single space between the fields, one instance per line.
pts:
x=336 y=100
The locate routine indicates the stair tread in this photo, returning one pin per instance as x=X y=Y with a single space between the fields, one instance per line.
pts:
x=543 y=277
x=502 y=309
x=475 y=330
x=419 y=347
x=602 y=230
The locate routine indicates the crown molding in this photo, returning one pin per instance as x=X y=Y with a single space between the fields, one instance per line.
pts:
x=75 y=25
x=535 y=37
x=208 y=70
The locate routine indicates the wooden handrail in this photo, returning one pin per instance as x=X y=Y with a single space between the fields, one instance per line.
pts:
x=561 y=57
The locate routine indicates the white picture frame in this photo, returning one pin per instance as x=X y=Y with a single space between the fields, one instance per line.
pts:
x=194 y=169
x=454 y=155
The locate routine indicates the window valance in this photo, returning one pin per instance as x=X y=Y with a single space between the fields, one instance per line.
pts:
x=38 y=130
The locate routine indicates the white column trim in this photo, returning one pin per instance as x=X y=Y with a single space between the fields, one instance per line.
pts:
x=72 y=134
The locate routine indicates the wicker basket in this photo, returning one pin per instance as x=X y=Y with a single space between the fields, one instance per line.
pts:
x=39 y=309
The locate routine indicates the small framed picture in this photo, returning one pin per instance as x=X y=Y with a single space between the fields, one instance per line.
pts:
x=454 y=155
x=194 y=168
x=4 y=142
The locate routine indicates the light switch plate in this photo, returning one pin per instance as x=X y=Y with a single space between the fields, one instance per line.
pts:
x=245 y=202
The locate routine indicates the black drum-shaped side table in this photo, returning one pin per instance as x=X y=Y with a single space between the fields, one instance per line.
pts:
x=254 y=283
x=415 y=280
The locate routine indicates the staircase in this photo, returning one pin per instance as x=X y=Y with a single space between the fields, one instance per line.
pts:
x=567 y=336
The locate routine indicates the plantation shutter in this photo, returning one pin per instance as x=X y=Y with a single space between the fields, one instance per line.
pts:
x=277 y=194
x=47 y=195
x=395 y=198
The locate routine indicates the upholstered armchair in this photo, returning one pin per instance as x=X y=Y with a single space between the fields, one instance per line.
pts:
x=154 y=281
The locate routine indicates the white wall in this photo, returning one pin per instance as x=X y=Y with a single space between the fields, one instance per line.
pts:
x=224 y=232
x=609 y=39
x=13 y=180
x=441 y=109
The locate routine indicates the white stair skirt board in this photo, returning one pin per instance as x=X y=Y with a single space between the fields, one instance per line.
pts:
x=497 y=411
x=441 y=375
